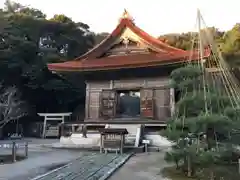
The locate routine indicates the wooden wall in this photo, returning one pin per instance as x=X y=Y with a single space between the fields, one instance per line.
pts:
x=162 y=103
x=159 y=84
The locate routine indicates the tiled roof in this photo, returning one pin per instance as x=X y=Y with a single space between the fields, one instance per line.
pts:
x=92 y=60
x=127 y=61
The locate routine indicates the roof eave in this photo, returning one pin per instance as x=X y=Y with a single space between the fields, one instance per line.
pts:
x=106 y=68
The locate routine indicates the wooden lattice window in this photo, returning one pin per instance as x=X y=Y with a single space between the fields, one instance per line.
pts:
x=147 y=103
x=108 y=104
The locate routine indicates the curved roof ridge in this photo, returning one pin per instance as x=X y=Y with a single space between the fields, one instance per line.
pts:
x=126 y=21
x=153 y=39
x=83 y=56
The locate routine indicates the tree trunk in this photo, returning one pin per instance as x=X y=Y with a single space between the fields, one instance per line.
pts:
x=210 y=136
x=1 y=133
x=177 y=165
x=212 y=176
x=189 y=168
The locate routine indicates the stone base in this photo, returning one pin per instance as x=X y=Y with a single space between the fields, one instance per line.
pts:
x=77 y=139
x=158 y=141
x=93 y=140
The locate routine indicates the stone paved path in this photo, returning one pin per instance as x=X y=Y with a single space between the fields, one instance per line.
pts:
x=145 y=166
x=91 y=166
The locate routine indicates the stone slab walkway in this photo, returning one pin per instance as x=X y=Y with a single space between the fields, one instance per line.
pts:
x=145 y=166
x=91 y=166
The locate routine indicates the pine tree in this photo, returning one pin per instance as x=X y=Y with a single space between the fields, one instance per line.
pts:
x=206 y=124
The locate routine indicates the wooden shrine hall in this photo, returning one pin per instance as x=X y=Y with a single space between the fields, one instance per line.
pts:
x=127 y=76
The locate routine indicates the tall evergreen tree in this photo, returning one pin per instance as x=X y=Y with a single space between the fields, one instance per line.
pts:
x=206 y=123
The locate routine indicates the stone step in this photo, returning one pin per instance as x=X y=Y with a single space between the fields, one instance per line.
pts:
x=52 y=132
x=134 y=132
x=158 y=140
x=130 y=139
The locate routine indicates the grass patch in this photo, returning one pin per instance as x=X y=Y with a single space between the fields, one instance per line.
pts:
x=7 y=159
x=220 y=172
x=175 y=174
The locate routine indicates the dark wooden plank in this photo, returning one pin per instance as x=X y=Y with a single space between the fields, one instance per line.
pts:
x=116 y=131
x=108 y=102
x=147 y=103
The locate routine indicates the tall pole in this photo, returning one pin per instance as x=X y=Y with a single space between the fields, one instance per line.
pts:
x=201 y=59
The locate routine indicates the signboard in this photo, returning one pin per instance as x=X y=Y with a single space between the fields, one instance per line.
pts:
x=146 y=141
x=10 y=145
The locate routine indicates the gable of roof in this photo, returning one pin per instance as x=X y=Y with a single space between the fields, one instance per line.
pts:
x=126 y=23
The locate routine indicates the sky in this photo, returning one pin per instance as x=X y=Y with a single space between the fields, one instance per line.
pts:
x=154 y=16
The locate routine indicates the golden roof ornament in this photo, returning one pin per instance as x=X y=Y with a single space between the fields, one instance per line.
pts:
x=126 y=15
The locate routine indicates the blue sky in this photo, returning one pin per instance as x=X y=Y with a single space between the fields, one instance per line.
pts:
x=154 y=16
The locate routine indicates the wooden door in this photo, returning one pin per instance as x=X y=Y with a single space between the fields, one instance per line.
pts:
x=108 y=104
x=147 y=103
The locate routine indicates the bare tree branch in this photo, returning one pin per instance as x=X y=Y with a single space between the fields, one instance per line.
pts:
x=11 y=106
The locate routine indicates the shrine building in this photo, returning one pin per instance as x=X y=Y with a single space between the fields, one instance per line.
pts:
x=127 y=76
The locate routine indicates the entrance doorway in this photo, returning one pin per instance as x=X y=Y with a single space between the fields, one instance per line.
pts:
x=177 y=95
x=128 y=103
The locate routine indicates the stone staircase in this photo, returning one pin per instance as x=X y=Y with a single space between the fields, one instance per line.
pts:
x=52 y=131
x=135 y=132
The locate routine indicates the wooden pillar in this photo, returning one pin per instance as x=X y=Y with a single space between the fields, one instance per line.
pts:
x=14 y=151
x=44 y=127
x=87 y=100
x=121 y=148
x=1 y=133
x=26 y=149
x=144 y=83
x=61 y=130
x=146 y=147
x=84 y=131
x=239 y=166
x=172 y=101
x=111 y=84
x=101 y=143
x=73 y=128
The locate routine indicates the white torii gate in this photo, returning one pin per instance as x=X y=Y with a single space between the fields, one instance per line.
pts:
x=52 y=117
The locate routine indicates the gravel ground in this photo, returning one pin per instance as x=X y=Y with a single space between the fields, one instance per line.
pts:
x=37 y=163
x=71 y=164
x=90 y=166
x=145 y=166
x=39 y=160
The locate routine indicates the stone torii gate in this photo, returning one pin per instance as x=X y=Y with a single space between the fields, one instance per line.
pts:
x=53 y=117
